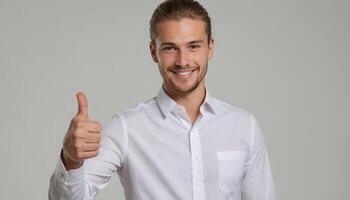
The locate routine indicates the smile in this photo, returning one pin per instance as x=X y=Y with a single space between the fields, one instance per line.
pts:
x=183 y=73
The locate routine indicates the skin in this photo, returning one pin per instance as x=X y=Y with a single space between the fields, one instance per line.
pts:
x=182 y=45
x=82 y=139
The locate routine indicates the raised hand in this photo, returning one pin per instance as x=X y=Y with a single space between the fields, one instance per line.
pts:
x=82 y=139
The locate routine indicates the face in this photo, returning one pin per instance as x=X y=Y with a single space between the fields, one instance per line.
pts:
x=182 y=51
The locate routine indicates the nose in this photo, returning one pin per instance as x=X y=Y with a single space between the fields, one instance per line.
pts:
x=183 y=58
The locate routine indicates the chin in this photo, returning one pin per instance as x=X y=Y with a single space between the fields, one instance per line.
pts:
x=185 y=89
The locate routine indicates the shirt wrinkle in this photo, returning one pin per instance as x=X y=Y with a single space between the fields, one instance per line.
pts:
x=158 y=154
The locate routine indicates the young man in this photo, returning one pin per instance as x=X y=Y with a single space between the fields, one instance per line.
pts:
x=182 y=144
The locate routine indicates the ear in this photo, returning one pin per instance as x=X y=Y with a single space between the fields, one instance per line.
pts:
x=153 y=51
x=211 y=48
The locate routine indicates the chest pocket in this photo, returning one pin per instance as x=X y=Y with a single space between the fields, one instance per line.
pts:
x=231 y=172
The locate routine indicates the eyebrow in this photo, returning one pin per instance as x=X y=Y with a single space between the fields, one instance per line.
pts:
x=196 y=42
x=173 y=44
x=167 y=44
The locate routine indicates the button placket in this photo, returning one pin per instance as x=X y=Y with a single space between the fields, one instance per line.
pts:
x=197 y=168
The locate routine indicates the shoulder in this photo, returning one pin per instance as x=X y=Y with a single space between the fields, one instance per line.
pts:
x=137 y=110
x=228 y=109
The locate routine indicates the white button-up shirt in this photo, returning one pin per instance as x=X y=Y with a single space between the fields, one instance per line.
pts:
x=159 y=154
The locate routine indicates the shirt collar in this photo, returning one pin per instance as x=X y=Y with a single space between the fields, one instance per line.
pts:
x=167 y=104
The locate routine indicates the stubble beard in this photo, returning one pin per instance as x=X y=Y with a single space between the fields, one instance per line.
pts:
x=184 y=91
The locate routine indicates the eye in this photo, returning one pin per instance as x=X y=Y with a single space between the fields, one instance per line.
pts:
x=194 y=47
x=169 y=49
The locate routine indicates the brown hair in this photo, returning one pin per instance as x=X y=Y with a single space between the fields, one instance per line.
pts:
x=178 y=9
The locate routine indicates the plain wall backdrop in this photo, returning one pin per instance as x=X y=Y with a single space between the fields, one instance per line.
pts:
x=287 y=62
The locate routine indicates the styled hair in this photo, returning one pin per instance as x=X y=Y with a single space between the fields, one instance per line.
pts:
x=177 y=10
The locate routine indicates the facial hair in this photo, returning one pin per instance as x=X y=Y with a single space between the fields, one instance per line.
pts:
x=181 y=91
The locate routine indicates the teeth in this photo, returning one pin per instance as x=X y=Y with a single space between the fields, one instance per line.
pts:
x=183 y=73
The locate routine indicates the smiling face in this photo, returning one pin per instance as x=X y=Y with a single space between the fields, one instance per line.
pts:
x=182 y=51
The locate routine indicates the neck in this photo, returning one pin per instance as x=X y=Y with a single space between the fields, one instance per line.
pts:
x=191 y=101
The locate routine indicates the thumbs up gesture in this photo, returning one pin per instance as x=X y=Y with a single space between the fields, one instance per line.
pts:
x=82 y=139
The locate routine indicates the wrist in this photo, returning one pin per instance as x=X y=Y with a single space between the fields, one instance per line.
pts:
x=68 y=162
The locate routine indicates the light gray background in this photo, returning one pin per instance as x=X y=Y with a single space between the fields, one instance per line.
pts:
x=287 y=62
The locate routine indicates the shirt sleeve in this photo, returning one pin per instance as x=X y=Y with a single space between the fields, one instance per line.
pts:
x=258 y=182
x=85 y=182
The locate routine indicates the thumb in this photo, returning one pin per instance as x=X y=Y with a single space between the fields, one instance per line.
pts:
x=82 y=106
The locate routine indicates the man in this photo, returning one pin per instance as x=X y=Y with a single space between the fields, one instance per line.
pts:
x=183 y=143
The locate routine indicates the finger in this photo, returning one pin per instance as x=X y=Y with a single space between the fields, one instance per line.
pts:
x=91 y=147
x=93 y=138
x=82 y=106
x=89 y=154
x=93 y=127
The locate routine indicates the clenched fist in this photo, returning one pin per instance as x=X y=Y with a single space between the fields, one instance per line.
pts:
x=82 y=140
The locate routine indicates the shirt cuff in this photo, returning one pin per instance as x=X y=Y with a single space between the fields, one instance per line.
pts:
x=69 y=177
